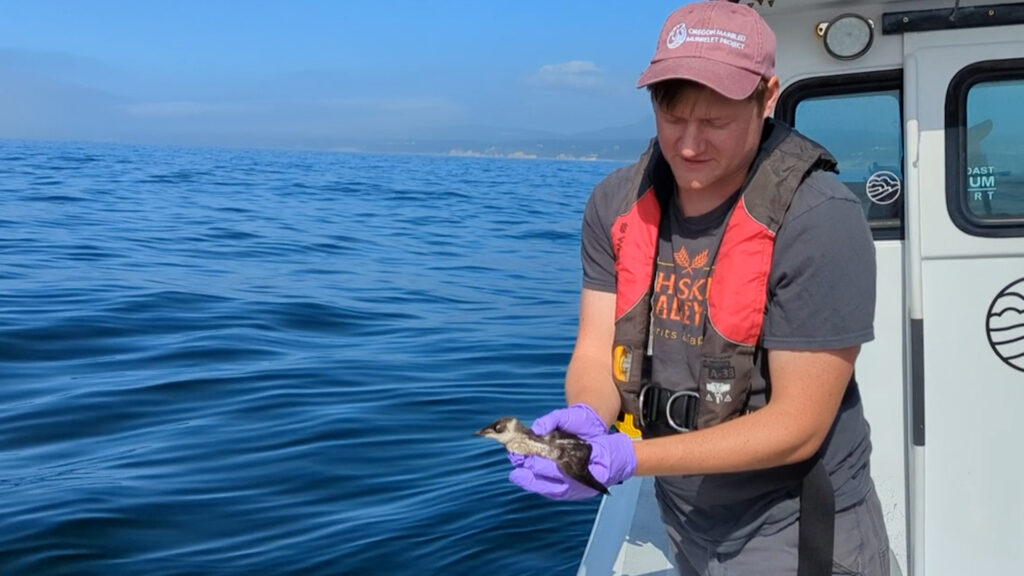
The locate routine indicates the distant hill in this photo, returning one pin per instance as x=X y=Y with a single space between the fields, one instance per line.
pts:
x=555 y=148
x=640 y=130
x=619 y=143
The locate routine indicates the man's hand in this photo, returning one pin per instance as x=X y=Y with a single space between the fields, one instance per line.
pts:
x=612 y=461
x=579 y=419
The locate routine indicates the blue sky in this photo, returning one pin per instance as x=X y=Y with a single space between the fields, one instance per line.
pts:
x=319 y=73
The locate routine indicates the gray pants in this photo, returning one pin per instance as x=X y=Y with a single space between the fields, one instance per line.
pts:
x=861 y=549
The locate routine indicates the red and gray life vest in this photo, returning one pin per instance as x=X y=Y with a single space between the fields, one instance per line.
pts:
x=738 y=284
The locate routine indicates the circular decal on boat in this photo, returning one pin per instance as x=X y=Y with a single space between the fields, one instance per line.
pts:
x=1005 y=325
x=883 y=187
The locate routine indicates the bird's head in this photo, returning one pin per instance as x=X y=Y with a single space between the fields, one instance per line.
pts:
x=502 y=429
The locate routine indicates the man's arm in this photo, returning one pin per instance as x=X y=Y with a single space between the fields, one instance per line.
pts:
x=807 y=388
x=589 y=376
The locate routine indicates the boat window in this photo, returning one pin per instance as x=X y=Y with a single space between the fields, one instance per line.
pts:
x=985 y=148
x=858 y=119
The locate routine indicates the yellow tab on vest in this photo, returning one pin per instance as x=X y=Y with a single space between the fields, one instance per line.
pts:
x=622 y=362
x=626 y=426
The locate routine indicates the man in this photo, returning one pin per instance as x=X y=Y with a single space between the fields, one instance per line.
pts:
x=728 y=285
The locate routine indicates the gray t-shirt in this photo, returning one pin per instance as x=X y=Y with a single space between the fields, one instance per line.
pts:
x=821 y=296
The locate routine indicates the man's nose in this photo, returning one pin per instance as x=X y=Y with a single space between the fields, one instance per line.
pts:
x=691 y=140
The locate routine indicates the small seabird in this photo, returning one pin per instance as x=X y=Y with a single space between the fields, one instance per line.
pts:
x=570 y=452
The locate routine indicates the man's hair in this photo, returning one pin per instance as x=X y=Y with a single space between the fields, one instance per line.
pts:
x=667 y=93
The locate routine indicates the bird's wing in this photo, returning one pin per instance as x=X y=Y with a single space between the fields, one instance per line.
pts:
x=562 y=437
x=578 y=468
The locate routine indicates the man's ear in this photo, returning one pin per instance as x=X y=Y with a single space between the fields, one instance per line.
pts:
x=771 y=97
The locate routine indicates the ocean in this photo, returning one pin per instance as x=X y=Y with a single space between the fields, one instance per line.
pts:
x=220 y=361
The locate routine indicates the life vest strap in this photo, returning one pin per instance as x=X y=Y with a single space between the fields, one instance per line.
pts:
x=817 y=524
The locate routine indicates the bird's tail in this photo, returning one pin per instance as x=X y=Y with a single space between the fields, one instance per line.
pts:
x=588 y=480
x=581 y=473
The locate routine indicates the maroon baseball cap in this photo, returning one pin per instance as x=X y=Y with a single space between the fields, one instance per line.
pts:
x=724 y=46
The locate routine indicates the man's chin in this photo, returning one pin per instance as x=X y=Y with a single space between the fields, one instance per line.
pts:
x=692 y=186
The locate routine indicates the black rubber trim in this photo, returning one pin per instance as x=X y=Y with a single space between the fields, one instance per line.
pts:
x=917 y=381
x=952 y=18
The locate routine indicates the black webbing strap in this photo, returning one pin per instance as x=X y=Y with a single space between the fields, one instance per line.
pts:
x=817 y=522
x=664 y=412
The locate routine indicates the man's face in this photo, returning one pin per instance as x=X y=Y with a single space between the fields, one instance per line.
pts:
x=710 y=140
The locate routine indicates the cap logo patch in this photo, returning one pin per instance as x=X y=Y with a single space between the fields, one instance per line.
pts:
x=680 y=35
x=677 y=36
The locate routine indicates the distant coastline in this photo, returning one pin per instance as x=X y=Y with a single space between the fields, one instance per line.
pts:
x=619 y=150
x=490 y=153
x=582 y=150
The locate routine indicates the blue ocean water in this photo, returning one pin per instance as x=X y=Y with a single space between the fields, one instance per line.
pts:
x=232 y=361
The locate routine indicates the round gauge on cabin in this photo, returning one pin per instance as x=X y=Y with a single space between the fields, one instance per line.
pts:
x=849 y=36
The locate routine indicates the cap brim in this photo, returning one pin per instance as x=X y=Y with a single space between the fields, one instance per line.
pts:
x=727 y=80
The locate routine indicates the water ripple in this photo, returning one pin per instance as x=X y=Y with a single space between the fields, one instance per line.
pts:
x=236 y=362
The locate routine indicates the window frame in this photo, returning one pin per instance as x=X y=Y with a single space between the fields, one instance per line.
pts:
x=849 y=85
x=956 y=147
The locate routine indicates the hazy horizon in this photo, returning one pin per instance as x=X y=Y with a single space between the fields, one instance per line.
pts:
x=324 y=75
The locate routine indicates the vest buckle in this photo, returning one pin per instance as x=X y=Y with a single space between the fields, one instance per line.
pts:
x=688 y=412
x=664 y=412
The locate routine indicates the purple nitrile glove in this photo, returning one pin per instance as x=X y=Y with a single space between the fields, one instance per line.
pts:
x=579 y=419
x=612 y=461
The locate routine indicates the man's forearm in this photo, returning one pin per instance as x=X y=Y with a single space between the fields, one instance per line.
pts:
x=755 y=441
x=589 y=381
